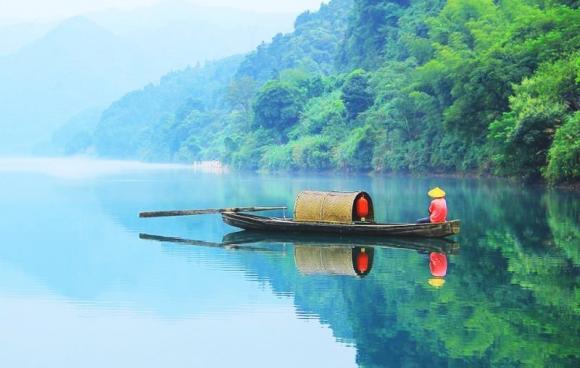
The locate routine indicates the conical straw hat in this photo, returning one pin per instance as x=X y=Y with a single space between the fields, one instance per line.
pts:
x=436 y=193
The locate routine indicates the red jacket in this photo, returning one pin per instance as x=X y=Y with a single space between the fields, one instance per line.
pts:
x=438 y=210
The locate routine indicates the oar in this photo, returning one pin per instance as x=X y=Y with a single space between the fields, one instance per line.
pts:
x=207 y=211
x=229 y=246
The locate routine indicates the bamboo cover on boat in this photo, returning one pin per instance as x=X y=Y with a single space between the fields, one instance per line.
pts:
x=333 y=207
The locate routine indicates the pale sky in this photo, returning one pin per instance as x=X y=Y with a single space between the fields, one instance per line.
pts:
x=24 y=10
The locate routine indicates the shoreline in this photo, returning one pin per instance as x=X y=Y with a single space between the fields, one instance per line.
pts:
x=575 y=186
x=80 y=166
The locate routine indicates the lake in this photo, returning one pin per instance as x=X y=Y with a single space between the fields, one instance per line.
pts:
x=80 y=288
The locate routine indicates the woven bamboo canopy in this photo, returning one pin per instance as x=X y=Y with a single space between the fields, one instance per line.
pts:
x=330 y=260
x=331 y=207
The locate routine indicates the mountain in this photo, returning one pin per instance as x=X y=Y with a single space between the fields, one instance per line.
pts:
x=76 y=134
x=92 y=60
x=14 y=36
x=139 y=125
x=187 y=115
x=415 y=86
x=312 y=46
x=76 y=65
x=175 y=33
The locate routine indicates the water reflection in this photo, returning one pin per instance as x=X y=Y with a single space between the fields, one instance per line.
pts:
x=327 y=255
x=438 y=268
x=510 y=298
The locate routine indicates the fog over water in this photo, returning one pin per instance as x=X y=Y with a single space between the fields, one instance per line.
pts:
x=79 y=167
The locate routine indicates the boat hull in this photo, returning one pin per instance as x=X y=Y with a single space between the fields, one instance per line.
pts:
x=262 y=223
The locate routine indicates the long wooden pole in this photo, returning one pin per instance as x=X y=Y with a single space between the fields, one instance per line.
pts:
x=207 y=211
x=229 y=246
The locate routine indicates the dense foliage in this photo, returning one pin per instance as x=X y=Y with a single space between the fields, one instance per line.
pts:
x=313 y=45
x=415 y=86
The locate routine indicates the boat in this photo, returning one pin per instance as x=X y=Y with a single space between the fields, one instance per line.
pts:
x=337 y=213
x=277 y=224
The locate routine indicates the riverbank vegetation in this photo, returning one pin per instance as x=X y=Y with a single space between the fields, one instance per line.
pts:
x=436 y=86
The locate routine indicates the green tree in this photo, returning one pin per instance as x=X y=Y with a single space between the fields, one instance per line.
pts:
x=564 y=155
x=356 y=151
x=539 y=106
x=356 y=93
x=325 y=114
x=240 y=93
x=312 y=46
x=278 y=106
x=373 y=26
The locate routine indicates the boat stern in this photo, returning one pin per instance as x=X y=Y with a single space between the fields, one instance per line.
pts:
x=455 y=226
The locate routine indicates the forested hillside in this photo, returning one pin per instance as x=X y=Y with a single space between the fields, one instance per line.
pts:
x=477 y=86
x=157 y=121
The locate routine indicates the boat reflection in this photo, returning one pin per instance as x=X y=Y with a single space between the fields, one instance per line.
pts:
x=322 y=255
x=420 y=245
x=334 y=260
x=438 y=268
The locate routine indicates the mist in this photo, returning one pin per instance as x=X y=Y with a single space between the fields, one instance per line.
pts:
x=67 y=59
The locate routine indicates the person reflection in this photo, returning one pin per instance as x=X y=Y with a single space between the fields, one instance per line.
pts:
x=438 y=268
x=333 y=260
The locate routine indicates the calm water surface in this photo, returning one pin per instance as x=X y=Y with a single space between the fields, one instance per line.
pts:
x=80 y=288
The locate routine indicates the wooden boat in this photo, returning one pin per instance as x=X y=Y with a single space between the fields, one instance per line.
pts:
x=277 y=224
x=338 y=213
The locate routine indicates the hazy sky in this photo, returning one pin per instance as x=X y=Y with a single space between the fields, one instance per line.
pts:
x=43 y=9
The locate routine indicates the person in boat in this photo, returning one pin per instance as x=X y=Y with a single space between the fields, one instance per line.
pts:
x=437 y=208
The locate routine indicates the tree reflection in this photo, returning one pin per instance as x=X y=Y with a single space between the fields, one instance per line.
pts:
x=511 y=301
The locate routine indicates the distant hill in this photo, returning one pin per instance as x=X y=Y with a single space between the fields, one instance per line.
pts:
x=191 y=113
x=76 y=134
x=76 y=65
x=175 y=33
x=139 y=125
x=92 y=60
x=14 y=36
